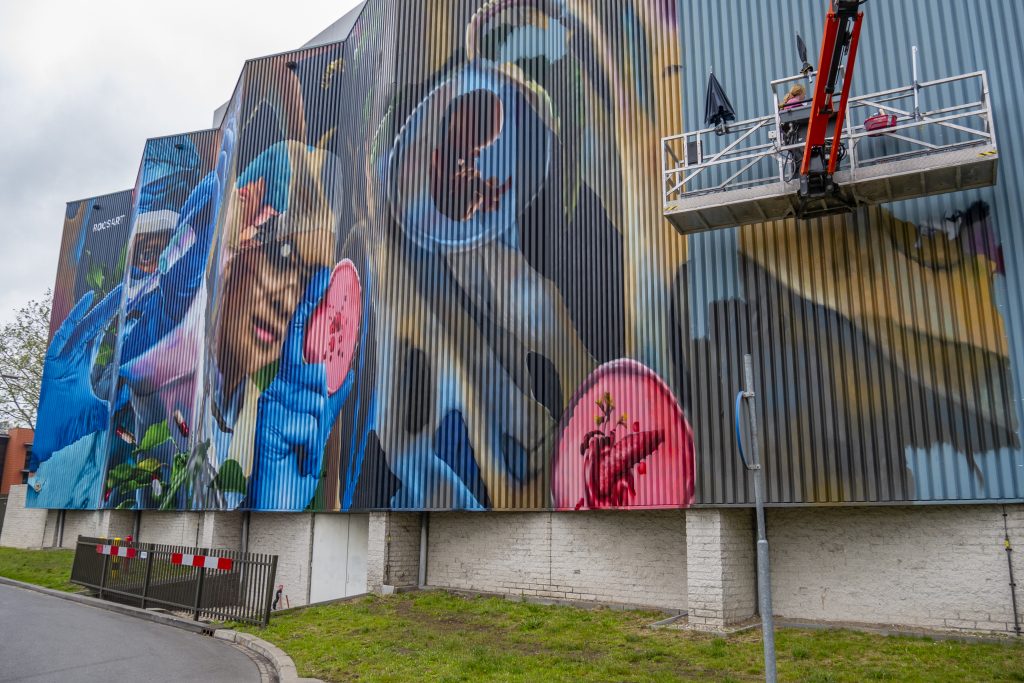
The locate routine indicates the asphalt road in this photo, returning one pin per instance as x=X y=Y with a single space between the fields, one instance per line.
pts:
x=43 y=638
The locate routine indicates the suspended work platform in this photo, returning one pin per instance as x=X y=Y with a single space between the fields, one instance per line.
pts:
x=892 y=150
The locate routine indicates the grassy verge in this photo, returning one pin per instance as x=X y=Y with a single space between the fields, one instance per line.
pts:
x=441 y=637
x=49 y=568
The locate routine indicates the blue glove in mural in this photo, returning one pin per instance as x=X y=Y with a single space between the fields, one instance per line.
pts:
x=162 y=309
x=68 y=407
x=296 y=415
x=170 y=167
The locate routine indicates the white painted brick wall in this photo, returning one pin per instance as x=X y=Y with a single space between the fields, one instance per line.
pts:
x=98 y=523
x=50 y=534
x=928 y=566
x=636 y=558
x=290 y=537
x=23 y=528
x=173 y=528
x=79 y=522
x=721 y=567
x=393 y=550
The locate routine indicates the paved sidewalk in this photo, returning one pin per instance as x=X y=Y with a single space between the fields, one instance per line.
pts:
x=43 y=638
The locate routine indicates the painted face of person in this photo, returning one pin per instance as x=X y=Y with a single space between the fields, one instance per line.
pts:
x=263 y=283
x=473 y=122
x=147 y=249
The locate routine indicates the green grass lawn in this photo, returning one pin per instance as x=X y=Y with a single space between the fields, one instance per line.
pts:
x=49 y=568
x=435 y=636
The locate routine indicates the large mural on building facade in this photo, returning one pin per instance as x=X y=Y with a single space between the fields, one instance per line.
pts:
x=433 y=274
x=69 y=450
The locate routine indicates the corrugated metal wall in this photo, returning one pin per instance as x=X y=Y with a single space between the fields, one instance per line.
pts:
x=160 y=327
x=525 y=303
x=68 y=451
x=427 y=268
x=887 y=356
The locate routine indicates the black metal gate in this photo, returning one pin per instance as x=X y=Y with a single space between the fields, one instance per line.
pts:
x=203 y=583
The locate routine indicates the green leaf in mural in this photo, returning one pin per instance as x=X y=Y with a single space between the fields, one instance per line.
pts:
x=154 y=436
x=264 y=376
x=125 y=505
x=104 y=355
x=94 y=278
x=149 y=465
x=122 y=472
x=230 y=478
x=179 y=473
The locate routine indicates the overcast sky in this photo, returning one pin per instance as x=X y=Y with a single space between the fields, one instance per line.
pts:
x=83 y=84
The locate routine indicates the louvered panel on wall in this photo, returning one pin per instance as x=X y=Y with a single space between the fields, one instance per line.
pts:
x=426 y=268
x=887 y=344
x=160 y=331
x=68 y=453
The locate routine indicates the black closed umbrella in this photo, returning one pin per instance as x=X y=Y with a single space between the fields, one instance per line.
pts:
x=717 y=107
x=801 y=49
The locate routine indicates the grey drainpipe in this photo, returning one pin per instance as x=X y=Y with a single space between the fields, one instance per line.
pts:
x=60 y=528
x=245 y=531
x=424 y=528
x=1013 y=585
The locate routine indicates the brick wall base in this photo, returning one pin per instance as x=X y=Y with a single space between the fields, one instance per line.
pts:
x=721 y=564
x=937 y=567
x=393 y=550
x=634 y=558
x=97 y=523
x=23 y=527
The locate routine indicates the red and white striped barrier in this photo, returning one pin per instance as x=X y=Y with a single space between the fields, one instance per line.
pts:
x=208 y=561
x=119 y=551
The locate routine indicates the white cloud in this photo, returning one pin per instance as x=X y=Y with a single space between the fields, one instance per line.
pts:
x=83 y=84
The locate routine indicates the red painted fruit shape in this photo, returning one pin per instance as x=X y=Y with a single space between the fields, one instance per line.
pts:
x=644 y=460
x=333 y=330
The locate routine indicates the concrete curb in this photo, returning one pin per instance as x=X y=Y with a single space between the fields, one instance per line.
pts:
x=281 y=663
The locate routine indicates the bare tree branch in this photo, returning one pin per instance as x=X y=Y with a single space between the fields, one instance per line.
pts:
x=23 y=344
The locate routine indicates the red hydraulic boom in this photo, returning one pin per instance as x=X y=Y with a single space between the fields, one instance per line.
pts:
x=838 y=54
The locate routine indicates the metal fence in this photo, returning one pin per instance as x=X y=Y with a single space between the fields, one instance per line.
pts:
x=200 y=582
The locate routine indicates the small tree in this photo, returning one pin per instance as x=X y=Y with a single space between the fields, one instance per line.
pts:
x=23 y=344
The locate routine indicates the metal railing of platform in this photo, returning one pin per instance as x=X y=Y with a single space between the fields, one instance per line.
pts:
x=769 y=149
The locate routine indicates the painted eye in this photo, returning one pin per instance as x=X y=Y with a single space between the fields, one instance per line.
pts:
x=286 y=250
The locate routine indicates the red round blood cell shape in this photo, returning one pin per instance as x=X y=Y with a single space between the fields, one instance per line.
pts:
x=333 y=330
x=623 y=442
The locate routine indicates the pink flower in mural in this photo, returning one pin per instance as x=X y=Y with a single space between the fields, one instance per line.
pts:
x=624 y=442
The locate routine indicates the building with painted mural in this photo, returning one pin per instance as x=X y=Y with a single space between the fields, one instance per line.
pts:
x=413 y=309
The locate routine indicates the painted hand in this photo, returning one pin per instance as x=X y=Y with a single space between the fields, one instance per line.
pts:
x=296 y=415
x=162 y=310
x=68 y=407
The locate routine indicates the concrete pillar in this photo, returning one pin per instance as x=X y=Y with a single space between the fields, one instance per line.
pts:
x=393 y=551
x=289 y=535
x=721 y=567
x=23 y=527
x=221 y=530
